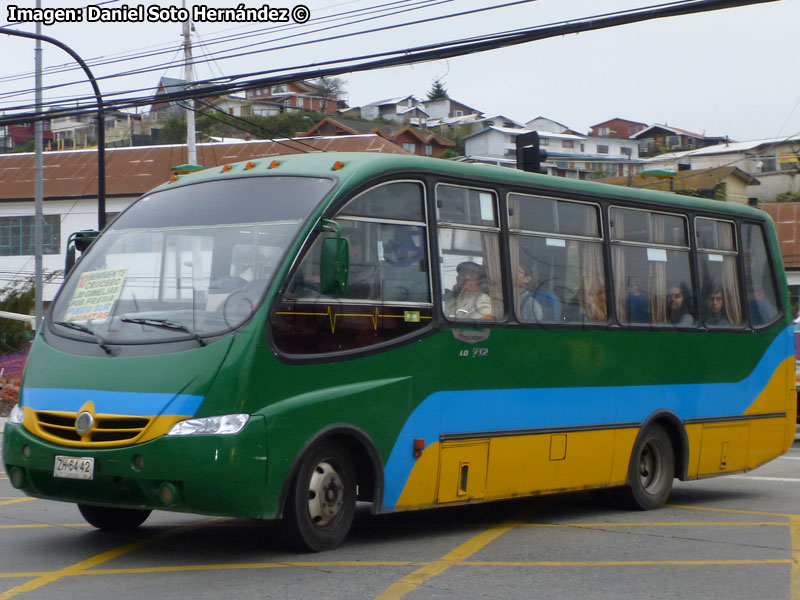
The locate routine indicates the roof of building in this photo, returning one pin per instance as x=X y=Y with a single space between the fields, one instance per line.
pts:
x=700 y=179
x=674 y=130
x=617 y=119
x=133 y=171
x=392 y=101
x=388 y=131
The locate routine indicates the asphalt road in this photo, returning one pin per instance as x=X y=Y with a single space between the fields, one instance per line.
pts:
x=733 y=537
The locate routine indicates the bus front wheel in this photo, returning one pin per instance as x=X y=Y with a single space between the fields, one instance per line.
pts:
x=113 y=519
x=322 y=500
x=651 y=470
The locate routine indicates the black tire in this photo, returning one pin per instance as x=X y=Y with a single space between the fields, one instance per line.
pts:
x=322 y=499
x=113 y=519
x=651 y=470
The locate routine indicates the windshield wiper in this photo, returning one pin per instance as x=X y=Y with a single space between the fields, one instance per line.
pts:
x=83 y=328
x=165 y=324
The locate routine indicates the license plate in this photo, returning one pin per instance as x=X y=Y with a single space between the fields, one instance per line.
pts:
x=72 y=467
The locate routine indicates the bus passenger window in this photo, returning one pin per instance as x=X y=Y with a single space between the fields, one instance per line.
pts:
x=469 y=235
x=762 y=297
x=651 y=263
x=388 y=289
x=719 y=280
x=556 y=260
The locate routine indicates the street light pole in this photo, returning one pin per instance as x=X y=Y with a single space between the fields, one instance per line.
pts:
x=101 y=127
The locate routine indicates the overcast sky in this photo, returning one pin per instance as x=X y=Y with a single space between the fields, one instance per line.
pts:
x=732 y=72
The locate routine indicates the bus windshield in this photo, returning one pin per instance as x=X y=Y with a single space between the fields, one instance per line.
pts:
x=190 y=261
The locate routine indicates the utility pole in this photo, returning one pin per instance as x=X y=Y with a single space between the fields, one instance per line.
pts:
x=187 y=76
x=38 y=218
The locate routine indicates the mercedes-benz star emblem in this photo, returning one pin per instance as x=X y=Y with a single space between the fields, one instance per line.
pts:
x=84 y=423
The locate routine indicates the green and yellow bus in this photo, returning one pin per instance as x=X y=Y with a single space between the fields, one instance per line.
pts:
x=282 y=338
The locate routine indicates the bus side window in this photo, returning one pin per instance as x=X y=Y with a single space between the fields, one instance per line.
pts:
x=469 y=242
x=388 y=290
x=556 y=260
x=721 y=302
x=762 y=296
x=651 y=263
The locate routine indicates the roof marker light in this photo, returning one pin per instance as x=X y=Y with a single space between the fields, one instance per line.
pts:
x=337 y=165
x=249 y=165
x=226 y=168
x=274 y=164
x=173 y=179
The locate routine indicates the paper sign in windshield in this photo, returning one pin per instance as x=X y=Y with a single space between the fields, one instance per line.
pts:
x=95 y=295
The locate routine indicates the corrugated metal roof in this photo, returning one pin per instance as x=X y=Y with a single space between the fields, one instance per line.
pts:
x=133 y=171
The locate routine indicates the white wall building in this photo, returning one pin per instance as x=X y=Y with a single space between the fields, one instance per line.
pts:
x=569 y=155
x=774 y=162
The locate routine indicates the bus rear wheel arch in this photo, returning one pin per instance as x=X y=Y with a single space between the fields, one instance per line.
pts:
x=651 y=470
x=322 y=499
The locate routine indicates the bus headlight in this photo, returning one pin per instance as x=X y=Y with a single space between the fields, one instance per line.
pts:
x=17 y=415
x=222 y=425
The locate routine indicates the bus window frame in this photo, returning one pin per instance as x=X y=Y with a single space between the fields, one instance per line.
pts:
x=781 y=305
x=507 y=232
x=745 y=325
x=331 y=212
x=689 y=248
x=501 y=229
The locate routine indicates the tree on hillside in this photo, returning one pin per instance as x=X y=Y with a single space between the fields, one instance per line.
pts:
x=438 y=91
x=330 y=88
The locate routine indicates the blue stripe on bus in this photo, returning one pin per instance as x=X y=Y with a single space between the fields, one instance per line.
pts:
x=114 y=403
x=474 y=411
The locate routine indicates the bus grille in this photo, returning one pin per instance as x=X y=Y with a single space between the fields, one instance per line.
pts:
x=106 y=431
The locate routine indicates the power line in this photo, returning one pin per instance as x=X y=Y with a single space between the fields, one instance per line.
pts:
x=419 y=4
x=408 y=56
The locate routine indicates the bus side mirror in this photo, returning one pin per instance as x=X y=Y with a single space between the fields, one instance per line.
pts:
x=78 y=241
x=334 y=266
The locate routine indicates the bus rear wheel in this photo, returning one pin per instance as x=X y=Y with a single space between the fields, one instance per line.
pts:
x=113 y=519
x=651 y=470
x=322 y=500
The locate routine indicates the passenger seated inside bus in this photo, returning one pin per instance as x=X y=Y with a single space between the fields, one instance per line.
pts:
x=637 y=306
x=469 y=299
x=535 y=305
x=715 y=312
x=679 y=311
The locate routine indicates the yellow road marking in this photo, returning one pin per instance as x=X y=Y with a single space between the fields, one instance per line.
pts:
x=430 y=570
x=733 y=511
x=79 y=567
x=626 y=563
x=225 y=566
x=666 y=524
x=794 y=524
x=16 y=501
x=41 y=525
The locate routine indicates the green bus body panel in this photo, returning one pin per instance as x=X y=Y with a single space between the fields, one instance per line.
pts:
x=213 y=474
x=190 y=372
x=376 y=392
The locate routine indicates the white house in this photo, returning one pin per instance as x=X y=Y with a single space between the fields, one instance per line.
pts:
x=775 y=162
x=569 y=155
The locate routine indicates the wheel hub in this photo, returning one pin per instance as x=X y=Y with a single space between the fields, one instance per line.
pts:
x=325 y=495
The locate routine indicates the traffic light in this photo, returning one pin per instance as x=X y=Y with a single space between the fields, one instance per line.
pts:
x=529 y=155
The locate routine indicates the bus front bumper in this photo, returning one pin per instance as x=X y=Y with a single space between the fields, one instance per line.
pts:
x=207 y=474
